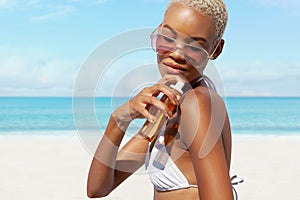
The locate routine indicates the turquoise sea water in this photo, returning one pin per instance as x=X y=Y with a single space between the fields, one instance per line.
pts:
x=255 y=115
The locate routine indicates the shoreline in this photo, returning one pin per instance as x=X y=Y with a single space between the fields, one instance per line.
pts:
x=130 y=133
x=56 y=167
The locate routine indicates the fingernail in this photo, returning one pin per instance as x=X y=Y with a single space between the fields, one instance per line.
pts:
x=170 y=114
x=153 y=119
x=175 y=101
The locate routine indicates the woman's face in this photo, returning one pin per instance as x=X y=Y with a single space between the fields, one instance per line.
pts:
x=183 y=23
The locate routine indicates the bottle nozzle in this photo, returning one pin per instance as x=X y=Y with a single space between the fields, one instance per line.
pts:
x=178 y=86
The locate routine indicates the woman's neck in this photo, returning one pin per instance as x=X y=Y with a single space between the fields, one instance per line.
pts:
x=196 y=82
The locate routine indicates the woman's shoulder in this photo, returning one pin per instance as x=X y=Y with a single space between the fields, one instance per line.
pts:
x=203 y=113
x=200 y=97
x=201 y=107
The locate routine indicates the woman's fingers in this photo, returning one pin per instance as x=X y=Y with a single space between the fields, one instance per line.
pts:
x=139 y=106
x=153 y=101
x=141 y=103
x=161 y=88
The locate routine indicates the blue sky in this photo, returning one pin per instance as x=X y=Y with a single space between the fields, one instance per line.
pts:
x=44 y=43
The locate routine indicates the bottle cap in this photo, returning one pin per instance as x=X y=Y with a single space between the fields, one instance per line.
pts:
x=178 y=86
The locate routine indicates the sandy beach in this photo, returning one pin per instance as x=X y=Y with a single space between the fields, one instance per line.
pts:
x=56 y=167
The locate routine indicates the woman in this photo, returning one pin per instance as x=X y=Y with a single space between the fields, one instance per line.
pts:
x=199 y=152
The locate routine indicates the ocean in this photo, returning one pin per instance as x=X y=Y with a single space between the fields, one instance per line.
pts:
x=55 y=115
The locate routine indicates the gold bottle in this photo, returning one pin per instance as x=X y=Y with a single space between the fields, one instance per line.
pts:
x=150 y=130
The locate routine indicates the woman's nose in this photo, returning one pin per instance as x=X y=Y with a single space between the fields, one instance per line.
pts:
x=178 y=53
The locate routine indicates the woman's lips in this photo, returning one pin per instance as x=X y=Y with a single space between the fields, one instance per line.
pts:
x=174 y=69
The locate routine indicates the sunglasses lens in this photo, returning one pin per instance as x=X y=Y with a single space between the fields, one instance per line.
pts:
x=162 y=45
x=196 y=56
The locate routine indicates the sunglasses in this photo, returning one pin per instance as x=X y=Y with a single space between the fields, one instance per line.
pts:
x=163 y=43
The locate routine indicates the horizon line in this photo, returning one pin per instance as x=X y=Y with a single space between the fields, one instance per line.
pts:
x=130 y=97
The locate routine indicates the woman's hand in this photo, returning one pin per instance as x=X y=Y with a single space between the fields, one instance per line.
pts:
x=138 y=106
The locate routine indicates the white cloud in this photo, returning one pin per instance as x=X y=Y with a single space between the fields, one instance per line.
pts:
x=155 y=1
x=33 y=2
x=261 y=79
x=279 y=3
x=30 y=73
x=129 y=81
x=96 y=2
x=19 y=5
x=90 y=2
x=123 y=77
x=7 y=4
x=293 y=6
x=60 y=11
x=51 y=10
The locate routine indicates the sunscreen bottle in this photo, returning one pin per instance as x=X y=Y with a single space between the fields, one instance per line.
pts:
x=150 y=130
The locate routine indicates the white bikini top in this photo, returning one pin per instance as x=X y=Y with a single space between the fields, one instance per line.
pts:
x=165 y=175
x=163 y=172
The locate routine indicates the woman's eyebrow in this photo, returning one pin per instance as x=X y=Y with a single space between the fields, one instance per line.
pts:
x=170 y=28
x=199 y=39
x=193 y=38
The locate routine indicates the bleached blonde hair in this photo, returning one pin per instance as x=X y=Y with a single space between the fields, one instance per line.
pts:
x=215 y=8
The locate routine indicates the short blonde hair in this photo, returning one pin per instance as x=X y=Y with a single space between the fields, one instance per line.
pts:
x=215 y=8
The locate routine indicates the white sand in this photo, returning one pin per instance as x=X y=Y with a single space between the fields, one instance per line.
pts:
x=269 y=165
x=56 y=167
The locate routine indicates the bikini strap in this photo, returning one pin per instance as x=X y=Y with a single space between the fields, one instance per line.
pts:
x=235 y=180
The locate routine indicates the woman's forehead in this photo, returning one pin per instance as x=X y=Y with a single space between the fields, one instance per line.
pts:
x=190 y=22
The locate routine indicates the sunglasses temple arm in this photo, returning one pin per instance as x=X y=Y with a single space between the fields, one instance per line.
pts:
x=211 y=56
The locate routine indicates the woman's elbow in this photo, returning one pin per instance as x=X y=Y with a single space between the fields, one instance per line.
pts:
x=97 y=193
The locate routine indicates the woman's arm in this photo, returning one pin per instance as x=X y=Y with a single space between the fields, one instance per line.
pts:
x=110 y=167
x=202 y=133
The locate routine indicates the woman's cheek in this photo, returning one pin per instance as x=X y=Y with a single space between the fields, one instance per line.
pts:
x=160 y=65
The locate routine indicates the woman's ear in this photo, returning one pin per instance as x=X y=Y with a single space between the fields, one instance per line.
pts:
x=219 y=49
